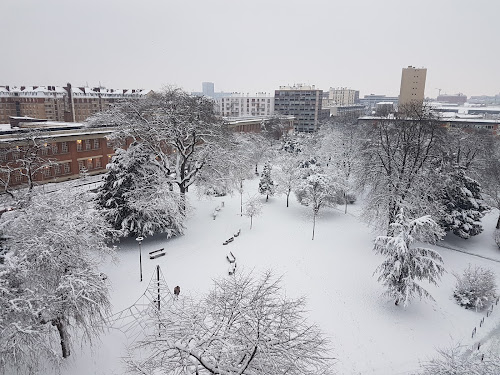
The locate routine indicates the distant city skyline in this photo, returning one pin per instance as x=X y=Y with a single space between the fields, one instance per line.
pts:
x=252 y=47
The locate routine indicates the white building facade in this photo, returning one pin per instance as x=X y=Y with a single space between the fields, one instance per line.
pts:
x=243 y=105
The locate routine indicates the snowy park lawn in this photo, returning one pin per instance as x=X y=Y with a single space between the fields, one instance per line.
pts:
x=369 y=334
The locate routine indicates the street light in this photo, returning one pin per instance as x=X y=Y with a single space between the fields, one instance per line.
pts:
x=139 y=239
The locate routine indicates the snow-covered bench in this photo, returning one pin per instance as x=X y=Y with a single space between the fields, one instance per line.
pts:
x=156 y=253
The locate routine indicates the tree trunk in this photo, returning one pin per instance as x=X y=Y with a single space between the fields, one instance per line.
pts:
x=251 y=221
x=345 y=201
x=314 y=223
x=63 y=334
x=267 y=197
x=287 y=195
x=498 y=223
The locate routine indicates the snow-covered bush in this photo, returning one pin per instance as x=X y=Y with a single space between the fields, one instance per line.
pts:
x=476 y=288
x=496 y=235
x=456 y=361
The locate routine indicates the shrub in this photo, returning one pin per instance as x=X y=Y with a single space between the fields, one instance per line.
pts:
x=457 y=361
x=476 y=288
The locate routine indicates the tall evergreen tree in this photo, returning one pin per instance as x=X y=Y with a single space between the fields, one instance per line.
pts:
x=463 y=205
x=266 y=184
x=406 y=264
x=137 y=196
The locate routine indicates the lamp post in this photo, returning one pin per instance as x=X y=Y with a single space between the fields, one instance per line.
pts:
x=139 y=239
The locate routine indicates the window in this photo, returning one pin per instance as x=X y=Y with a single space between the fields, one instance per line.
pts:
x=81 y=165
x=87 y=144
x=79 y=145
x=64 y=147
x=55 y=149
x=98 y=164
x=90 y=164
x=46 y=172
x=45 y=150
x=57 y=169
x=17 y=176
x=96 y=143
x=67 y=168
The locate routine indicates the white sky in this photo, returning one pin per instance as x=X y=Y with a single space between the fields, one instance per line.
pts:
x=252 y=46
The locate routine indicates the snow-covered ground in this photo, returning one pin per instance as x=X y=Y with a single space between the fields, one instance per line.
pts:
x=369 y=334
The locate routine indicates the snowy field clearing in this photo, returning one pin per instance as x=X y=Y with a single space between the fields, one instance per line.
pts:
x=369 y=334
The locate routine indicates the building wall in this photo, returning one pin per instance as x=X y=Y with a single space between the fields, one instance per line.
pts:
x=303 y=102
x=412 y=85
x=57 y=103
x=68 y=153
x=240 y=105
x=342 y=96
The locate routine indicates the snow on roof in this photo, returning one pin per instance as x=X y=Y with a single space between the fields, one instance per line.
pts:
x=78 y=91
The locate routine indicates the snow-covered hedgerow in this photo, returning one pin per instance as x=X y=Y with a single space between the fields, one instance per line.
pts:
x=476 y=288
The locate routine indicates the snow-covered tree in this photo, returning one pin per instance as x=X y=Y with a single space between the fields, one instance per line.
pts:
x=476 y=288
x=287 y=174
x=266 y=184
x=399 y=155
x=317 y=191
x=463 y=205
x=51 y=291
x=490 y=179
x=253 y=207
x=459 y=361
x=339 y=150
x=406 y=264
x=243 y=326
x=137 y=197
x=27 y=159
x=183 y=130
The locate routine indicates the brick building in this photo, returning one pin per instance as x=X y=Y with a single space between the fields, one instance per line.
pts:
x=57 y=103
x=62 y=150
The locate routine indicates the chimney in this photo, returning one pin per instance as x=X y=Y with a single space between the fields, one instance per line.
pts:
x=22 y=88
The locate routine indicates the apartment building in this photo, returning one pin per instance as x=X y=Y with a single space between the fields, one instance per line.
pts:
x=303 y=102
x=60 y=103
x=244 y=105
x=412 y=85
x=61 y=150
x=343 y=96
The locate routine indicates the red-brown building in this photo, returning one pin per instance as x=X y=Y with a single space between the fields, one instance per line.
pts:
x=60 y=151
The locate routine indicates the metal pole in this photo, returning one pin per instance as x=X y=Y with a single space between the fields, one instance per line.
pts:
x=158 y=278
x=139 y=239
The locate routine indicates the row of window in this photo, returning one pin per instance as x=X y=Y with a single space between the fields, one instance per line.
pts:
x=88 y=144
x=89 y=164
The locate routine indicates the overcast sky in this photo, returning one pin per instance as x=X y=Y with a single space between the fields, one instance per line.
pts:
x=252 y=46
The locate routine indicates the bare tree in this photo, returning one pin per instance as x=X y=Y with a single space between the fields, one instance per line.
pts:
x=244 y=326
x=27 y=157
x=339 y=149
x=398 y=154
x=317 y=191
x=253 y=207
